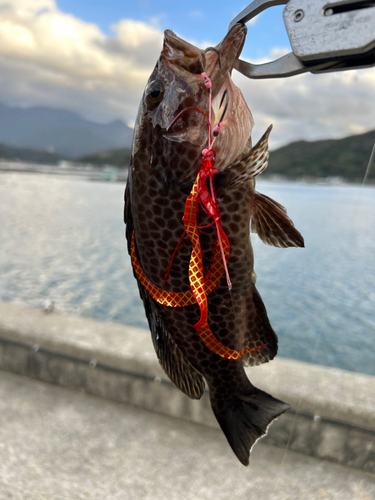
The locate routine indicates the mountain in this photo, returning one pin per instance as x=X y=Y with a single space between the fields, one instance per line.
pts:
x=59 y=130
x=27 y=155
x=347 y=158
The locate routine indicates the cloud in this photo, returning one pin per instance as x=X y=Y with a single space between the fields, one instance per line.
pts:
x=48 y=57
x=25 y=8
x=311 y=107
x=197 y=14
x=51 y=58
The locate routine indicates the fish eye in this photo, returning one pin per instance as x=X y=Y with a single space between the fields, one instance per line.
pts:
x=155 y=93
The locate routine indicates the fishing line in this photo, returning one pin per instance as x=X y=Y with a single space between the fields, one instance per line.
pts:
x=367 y=172
x=319 y=335
x=217 y=128
x=372 y=156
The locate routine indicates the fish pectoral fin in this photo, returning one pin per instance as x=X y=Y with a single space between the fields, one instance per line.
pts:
x=181 y=372
x=272 y=224
x=249 y=166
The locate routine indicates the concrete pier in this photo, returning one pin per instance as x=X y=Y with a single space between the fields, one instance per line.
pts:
x=333 y=410
x=60 y=444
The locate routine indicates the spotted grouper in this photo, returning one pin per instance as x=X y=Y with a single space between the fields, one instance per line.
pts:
x=205 y=314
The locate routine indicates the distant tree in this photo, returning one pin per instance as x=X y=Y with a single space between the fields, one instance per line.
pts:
x=117 y=157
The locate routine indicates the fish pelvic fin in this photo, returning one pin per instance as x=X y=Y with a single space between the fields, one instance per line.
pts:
x=244 y=419
x=272 y=224
x=249 y=166
x=180 y=371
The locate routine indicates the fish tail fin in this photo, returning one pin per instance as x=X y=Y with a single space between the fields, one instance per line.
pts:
x=244 y=419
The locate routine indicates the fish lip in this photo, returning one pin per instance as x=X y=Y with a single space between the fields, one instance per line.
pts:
x=175 y=136
x=190 y=134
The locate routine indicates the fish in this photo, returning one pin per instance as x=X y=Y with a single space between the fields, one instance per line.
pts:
x=170 y=134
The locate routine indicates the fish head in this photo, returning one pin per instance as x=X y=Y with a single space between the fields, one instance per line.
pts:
x=171 y=128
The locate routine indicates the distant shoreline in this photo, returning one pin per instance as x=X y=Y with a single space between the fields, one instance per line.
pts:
x=114 y=174
x=66 y=169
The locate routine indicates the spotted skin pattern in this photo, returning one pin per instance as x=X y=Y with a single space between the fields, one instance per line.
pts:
x=163 y=169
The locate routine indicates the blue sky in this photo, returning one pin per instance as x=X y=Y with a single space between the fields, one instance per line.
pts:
x=194 y=20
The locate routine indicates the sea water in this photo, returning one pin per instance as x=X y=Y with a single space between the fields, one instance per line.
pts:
x=62 y=240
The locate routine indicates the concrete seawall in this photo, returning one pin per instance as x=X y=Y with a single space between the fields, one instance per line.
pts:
x=333 y=410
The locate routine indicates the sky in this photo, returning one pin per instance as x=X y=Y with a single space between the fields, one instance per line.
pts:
x=94 y=57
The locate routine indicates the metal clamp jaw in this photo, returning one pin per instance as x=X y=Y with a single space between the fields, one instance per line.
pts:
x=325 y=35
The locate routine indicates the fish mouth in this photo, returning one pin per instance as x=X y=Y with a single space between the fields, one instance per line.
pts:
x=192 y=134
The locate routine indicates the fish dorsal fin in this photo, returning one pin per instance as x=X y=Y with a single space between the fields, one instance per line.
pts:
x=259 y=154
x=272 y=224
x=250 y=165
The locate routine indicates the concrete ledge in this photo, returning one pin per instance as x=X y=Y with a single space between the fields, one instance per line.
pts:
x=333 y=410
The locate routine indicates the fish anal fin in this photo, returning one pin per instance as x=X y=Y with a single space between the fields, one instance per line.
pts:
x=272 y=224
x=180 y=371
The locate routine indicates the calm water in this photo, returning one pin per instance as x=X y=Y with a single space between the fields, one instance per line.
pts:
x=63 y=240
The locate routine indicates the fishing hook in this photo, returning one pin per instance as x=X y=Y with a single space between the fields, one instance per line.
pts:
x=184 y=111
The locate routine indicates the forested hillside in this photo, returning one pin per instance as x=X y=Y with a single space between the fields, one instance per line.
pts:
x=347 y=158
